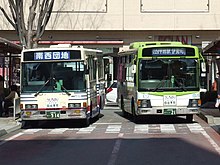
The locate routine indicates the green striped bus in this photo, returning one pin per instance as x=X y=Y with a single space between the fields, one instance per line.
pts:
x=160 y=78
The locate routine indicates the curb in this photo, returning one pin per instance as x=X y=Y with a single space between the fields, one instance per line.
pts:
x=10 y=129
x=210 y=120
x=3 y=132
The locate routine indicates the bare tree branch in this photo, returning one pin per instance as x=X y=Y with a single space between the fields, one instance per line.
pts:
x=45 y=13
x=7 y=17
x=47 y=17
x=28 y=34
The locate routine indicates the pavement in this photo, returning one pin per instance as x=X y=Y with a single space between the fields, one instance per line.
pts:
x=210 y=115
x=9 y=124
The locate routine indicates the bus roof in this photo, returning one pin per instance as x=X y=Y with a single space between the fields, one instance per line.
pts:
x=136 y=45
x=62 y=47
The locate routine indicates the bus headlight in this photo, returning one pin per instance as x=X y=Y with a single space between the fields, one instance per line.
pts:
x=193 y=103
x=144 y=103
x=31 y=106
x=74 y=105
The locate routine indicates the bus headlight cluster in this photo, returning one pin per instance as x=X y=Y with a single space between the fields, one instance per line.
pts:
x=74 y=105
x=31 y=106
x=144 y=103
x=193 y=103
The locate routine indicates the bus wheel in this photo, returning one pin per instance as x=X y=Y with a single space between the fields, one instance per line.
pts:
x=24 y=124
x=86 y=122
x=134 y=116
x=100 y=103
x=124 y=113
x=189 y=118
x=28 y=124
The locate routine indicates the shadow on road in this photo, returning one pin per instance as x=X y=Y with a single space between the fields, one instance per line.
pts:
x=156 y=119
x=75 y=123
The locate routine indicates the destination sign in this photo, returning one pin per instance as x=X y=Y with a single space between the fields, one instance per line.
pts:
x=62 y=55
x=49 y=55
x=169 y=51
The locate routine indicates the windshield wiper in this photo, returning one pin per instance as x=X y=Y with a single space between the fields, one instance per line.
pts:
x=42 y=87
x=180 y=85
x=62 y=87
x=160 y=84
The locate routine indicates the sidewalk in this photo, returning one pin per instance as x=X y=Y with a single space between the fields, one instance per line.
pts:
x=8 y=124
x=211 y=116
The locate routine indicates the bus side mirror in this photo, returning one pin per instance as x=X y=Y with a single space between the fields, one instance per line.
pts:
x=109 y=77
x=133 y=69
x=135 y=78
x=203 y=66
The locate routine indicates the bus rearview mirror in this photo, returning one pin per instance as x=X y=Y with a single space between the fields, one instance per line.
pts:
x=203 y=67
x=133 y=69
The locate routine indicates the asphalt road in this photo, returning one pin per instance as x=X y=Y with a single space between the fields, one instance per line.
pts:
x=114 y=140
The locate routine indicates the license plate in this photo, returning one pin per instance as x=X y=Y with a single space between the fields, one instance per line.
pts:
x=53 y=114
x=77 y=111
x=169 y=111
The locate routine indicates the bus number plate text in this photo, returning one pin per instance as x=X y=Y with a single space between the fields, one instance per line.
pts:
x=53 y=114
x=169 y=111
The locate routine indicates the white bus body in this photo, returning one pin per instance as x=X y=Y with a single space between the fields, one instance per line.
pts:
x=61 y=82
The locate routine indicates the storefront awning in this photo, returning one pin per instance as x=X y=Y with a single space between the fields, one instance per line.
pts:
x=213 y=48
x=7 y=46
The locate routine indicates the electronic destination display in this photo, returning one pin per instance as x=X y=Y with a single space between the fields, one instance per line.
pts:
x=168 y=51
x=51 y=55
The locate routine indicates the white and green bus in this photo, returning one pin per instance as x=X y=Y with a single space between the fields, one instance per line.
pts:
x=61 y=82
x=160 y=78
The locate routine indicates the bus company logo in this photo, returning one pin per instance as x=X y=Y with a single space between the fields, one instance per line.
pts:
x=52 y=102
x=169 y=100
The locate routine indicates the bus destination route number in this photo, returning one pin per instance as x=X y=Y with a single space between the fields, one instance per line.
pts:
x=53 y=114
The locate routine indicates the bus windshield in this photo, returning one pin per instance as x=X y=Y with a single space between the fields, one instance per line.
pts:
x=53 y=77
x=168 y=74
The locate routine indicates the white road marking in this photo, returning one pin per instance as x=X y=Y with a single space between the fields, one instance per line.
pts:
x=143 y=128
x=113 y=129
x=195 y=128
x=107 y=123
x=86 y=130
x=11 y=138
x=115 y=150
x=211 y=141
x=58 y=131
x=31 y=131
x=167 y=128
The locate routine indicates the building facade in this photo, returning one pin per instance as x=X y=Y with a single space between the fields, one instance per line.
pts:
x=113 y=23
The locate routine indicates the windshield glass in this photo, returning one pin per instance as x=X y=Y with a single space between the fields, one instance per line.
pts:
x=54 y=76
x=167 y=74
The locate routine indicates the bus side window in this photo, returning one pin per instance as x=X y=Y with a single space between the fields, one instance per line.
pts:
x=78 y=80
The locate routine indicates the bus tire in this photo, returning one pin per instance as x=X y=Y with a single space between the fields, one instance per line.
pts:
x=134 y=116
x=86 y=122
x=23 y=124
x=124 y=113
x=91 y=109
x=189 y=118
x=28 y=124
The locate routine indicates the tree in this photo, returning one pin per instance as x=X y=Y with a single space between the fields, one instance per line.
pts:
x=31 y=27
